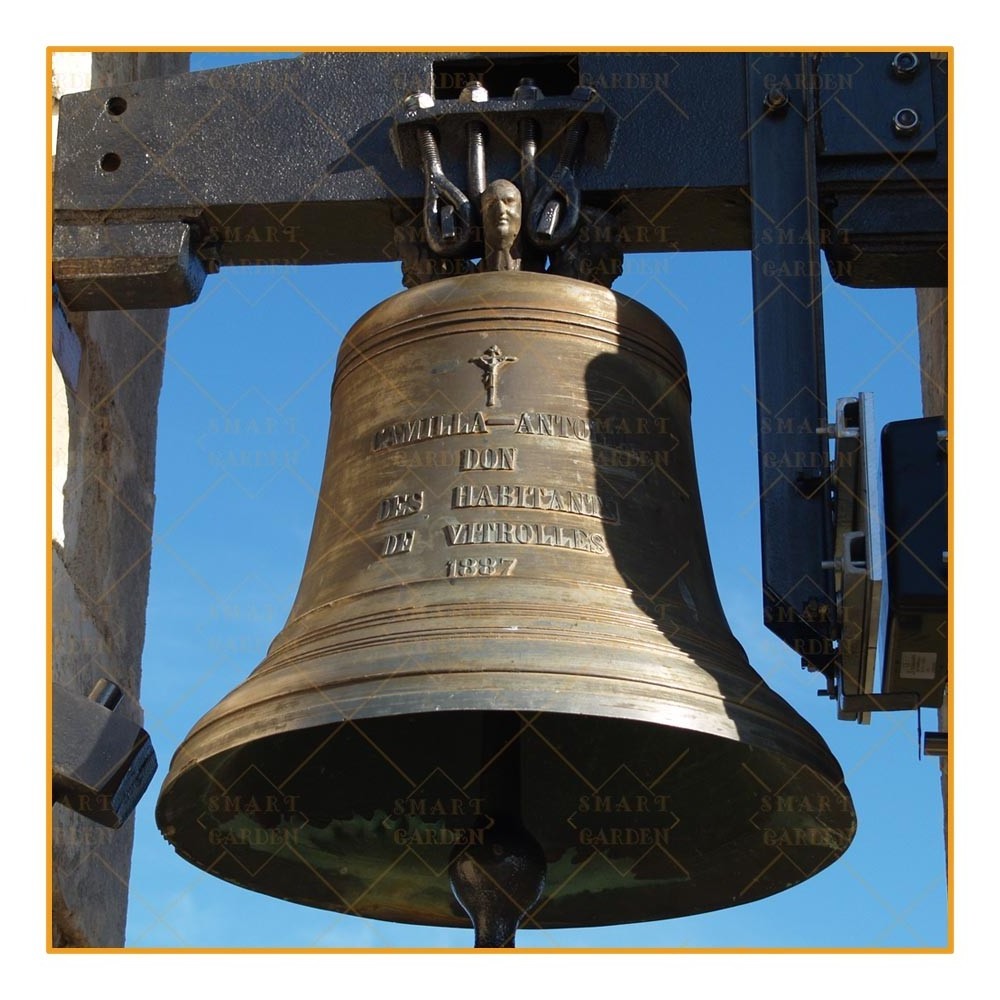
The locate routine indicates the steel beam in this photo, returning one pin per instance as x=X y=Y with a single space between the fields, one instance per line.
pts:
x=294 y=161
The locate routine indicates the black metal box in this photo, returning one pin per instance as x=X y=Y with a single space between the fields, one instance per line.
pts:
x=915 y=490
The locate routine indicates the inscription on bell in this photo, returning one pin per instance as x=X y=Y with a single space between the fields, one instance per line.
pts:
x=438 y=425
x=521 y=533
x=526 y=497
x=607 y=427
x=491 y=459
x=400 y=505
x=397 y=544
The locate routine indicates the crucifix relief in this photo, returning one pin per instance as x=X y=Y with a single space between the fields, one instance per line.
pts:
x=491 y=361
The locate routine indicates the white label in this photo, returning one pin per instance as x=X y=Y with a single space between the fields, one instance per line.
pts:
x=917 y=666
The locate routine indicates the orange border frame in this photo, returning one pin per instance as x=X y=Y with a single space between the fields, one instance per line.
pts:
x=950 y=801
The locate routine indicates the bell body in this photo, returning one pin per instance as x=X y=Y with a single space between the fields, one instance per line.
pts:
x=507 y=609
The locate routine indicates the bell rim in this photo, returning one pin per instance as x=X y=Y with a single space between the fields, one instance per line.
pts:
x=818 y=780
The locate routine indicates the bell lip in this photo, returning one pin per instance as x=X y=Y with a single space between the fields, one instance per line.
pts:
x=631 y=700
x=829 y=779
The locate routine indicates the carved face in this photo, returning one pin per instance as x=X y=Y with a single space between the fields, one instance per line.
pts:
x=502 y=212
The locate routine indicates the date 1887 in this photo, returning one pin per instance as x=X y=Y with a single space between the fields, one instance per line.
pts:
x=485 y=566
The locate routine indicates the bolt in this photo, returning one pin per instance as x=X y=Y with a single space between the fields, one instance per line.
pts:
x=477 y=159
x=905 y=64
x=775 y=100
x=905 y=121
x=477 y=138
x=571 y=143
x=474 y=93
x=418 y=102
x=429 y=149
x=527 y=133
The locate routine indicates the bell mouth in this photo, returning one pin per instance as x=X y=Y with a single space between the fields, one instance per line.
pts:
x=637 y=820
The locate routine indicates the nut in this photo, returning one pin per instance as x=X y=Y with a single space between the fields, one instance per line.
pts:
x=474 y=93
x=905 y=64
x=527 y=90
x=775 y=99
x=418 y=102
x=905 y=121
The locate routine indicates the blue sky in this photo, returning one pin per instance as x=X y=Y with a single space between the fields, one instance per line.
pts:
x=234 y=512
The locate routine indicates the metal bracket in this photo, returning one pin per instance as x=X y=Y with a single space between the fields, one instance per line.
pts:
x=146 y=265
x=502 y=118
x=292 y=161
x=862 y=704
x=799 y=598
x=102 y=760
x=891 y=109
x=859 y=556
x=895 y=92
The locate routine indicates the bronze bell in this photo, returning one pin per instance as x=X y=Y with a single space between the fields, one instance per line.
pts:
x=508 y=616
